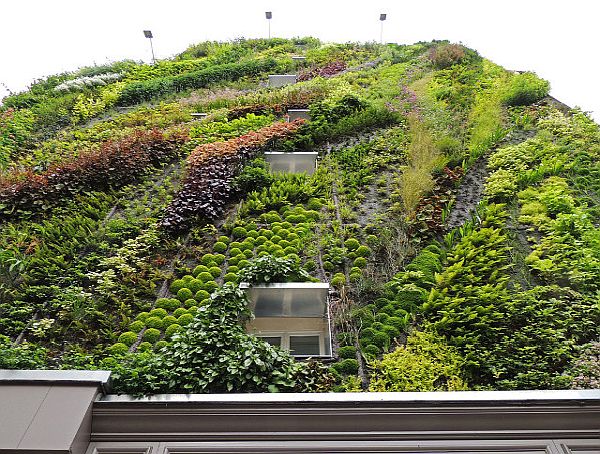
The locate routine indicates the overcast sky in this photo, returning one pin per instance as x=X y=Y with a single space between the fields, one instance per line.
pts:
x=557 y=39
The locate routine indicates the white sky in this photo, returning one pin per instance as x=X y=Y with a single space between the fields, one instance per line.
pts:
x=558 y=39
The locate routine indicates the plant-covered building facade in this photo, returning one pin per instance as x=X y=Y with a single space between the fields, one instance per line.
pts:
x=449 y=206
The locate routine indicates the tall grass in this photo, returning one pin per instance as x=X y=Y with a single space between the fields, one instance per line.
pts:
x=423 y=158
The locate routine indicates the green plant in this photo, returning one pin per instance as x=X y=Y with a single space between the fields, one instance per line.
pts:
x=128 y=338
x=151 y=335
x=524 y=89
x=425 y=364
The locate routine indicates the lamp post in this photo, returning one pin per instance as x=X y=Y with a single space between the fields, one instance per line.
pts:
x=382 y=17
x=148 y=34
x=269 y=15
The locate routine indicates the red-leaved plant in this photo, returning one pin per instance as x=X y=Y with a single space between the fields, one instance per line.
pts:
x=115 y=164
x=211 y=168
x=330 y=69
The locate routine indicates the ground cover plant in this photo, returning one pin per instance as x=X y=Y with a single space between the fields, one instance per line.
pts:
x=454 y=211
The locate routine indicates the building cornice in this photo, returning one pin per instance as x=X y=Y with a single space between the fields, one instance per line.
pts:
x=350 y=416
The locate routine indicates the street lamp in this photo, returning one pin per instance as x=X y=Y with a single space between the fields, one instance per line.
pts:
x=382 y=17
x=269 y=15
x=148 y=34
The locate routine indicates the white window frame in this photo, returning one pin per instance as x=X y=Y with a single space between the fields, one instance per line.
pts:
x=285 y=339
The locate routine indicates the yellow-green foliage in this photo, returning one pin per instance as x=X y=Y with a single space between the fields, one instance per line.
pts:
x=486 y=118
x=426 y=363
x=423 y=157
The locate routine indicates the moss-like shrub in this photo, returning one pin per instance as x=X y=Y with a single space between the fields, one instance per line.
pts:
x=328 y=266
x=381 y=339
x=168 y=320
x=271 y=216
x=151 y=335
x=355 y=277
x=184 y=294
x=158 y=312
x=205 y=302
x=295 y=219
x=211 y=286
x=263 y=254
x=239 y=232
x=180 y=311
x=195 y=285
x=215 y=271
x=371 y=351
x=248 y=253
x=136 y=326
x=247 y=245
x=243 y=264
x=314 y=204
x=234 y=244
x=286 y=225
x=118 y=349
x=190 y=302
x=310 y=265
x=348 y=352
x=290 y=250
x=201 y=295
x=142 y=316
x=338 y=280
x=219 y=259
x=176 y=285
x=160 y=345
x=172 y=329
x=207 y=258
x=168 y=304
x=363 y=251
x=154 y=322
x=230 y=277
x=346 y=367
x=233 y=261
x=235 y=251
x=276 y=239
x=252 y=234
x=185 y=319
x=312 y=215
x=144 y=347
x=278 y=253
x=205 y=276
x=260 y=240
x=233 y=269
x=360 y=262
x=391 y=331
x=223 y=239
x=219 y=247
x=128 y=338
x=355 y=270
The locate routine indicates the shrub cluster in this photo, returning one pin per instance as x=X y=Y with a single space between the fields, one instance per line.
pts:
x=208 y=184
x=115 y=164
x=138 y=92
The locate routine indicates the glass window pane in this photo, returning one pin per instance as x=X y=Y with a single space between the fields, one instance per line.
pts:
x=273 y=340
x=305 y=345
x=269 y=304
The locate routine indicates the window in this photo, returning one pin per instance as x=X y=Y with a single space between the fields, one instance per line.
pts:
x=305 y=345
x=298 y=343
x=273 y=340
